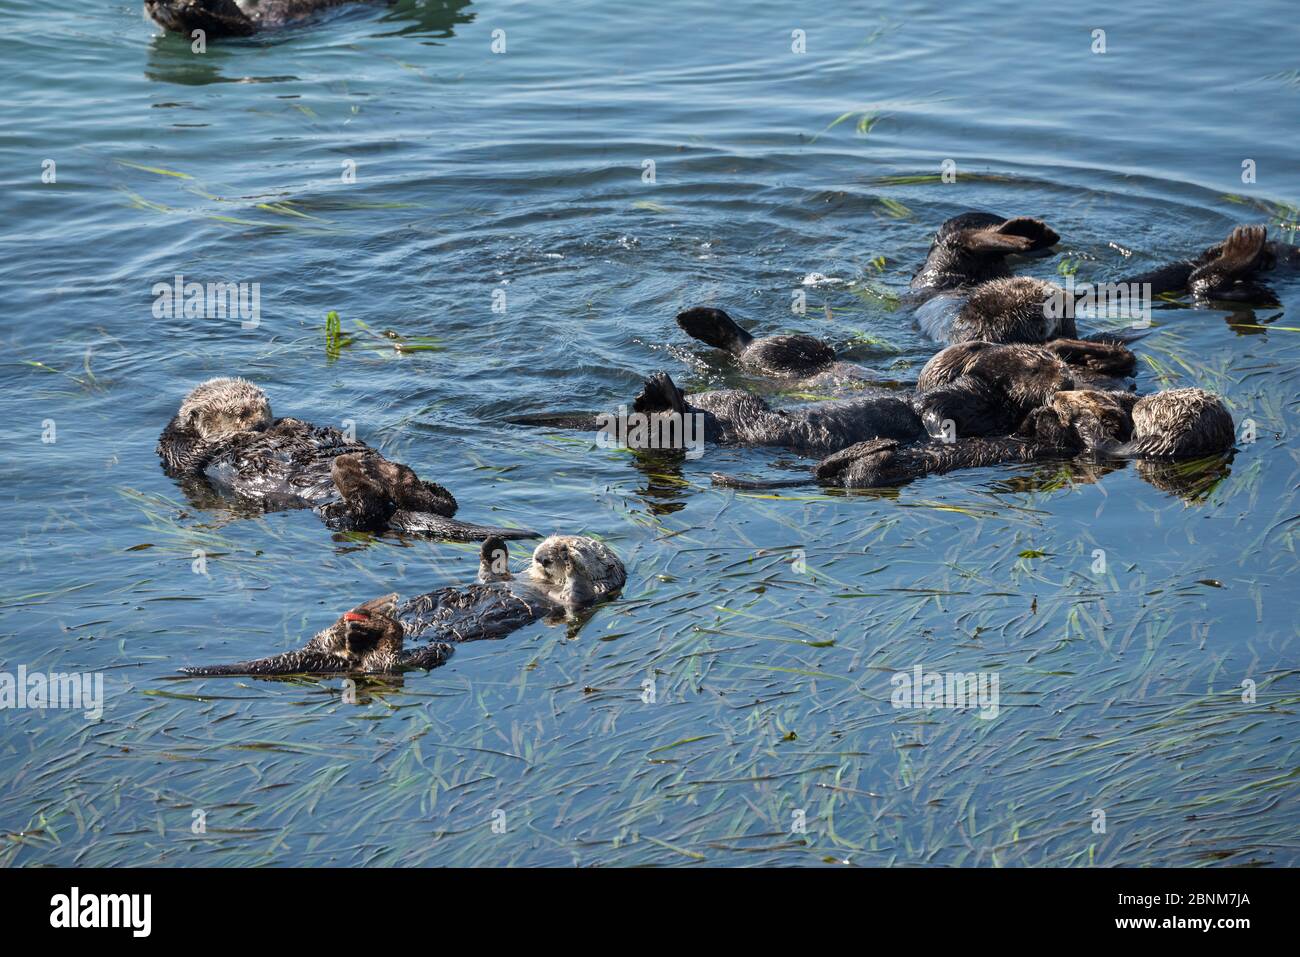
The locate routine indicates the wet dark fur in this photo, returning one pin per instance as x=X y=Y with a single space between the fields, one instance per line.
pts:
x=1175 y=423
x=225 y=18
x=1231 y=270
x=972 y=248
x=987 y=388
x=369 y=639
x=888 y=462
x=771 y=355
x=736 y=417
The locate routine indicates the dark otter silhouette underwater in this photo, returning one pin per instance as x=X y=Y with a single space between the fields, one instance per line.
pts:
x=224 y=438
x=226 y=18
x=568 y=574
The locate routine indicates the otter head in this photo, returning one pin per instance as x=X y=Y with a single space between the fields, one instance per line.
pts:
x=493 y=561
x=221 y=408
x=1082 y=419
x=216 y=18
x=367 y=638
x=574 y=570
x=1015 y=309
x=1182 y=423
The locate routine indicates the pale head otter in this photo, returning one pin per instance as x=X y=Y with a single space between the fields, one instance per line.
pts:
x=972 y=248
x=211 y=413
x=573 y=570
x=224 y=437
x=568 y=574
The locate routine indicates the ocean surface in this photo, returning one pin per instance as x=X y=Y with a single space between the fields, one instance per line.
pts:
x=590 y=169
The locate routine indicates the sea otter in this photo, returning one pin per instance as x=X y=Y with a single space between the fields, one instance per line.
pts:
x=778 y=355
x=225 y=437
x=986 y=388
x=1172 y=424
x=879 y=463
x=568 y=573
x=226 y=18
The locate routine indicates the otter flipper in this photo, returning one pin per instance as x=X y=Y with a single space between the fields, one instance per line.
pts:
x=715 y=328
x=1227 y=275
x=1022 y=234
x=660 y=394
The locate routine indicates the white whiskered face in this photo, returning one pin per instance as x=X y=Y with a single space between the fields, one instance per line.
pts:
x=225 y=406
x=574 y=569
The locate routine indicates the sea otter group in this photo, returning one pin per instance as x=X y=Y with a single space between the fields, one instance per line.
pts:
x=1015 y=383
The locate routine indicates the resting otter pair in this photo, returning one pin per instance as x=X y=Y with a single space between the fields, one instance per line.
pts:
x=568 y=573
x=224 y=436
x=1174 y=424
x=226 y=18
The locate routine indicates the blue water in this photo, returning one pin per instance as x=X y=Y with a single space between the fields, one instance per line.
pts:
x=525 y=171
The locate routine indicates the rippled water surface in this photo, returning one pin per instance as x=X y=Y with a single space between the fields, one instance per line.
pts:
x=524 y=172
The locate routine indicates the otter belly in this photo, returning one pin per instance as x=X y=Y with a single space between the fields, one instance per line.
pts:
x=474 y=612
x=937 y=316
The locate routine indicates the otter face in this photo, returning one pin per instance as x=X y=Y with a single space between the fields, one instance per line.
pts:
x=493 y=561
x=220 y=408
x=1082 y=418
x=574 y=570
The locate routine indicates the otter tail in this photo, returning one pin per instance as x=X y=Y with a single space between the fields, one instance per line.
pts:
x=731 y=481
x=300 y=662
x=714 y=327
x=431 y=525
x=577 y=421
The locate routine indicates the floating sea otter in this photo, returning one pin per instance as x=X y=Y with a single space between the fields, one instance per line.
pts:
x=224 y=435
x=568 y=573
x=974 y=389
x=226 y=18
x=1174 y=424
